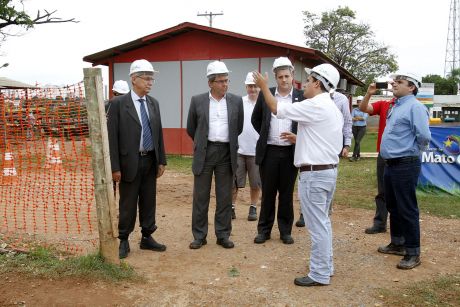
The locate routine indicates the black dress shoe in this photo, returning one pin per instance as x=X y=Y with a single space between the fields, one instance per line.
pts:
x=373 y=230
x=307 y=282
x=197 y=243
x=392 y=249
x=409 y=262
x=123 y=249
x=150 y=244
x=233 y=213
x=287 y=239
x=301 y=221
x=261 y=238
x=225 y=243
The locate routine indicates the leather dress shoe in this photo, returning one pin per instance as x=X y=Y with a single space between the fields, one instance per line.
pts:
x=150 y=244
x=300 y=222
x=307 y=282
x=261 y=238
x=392 y=249
x=373 y=230
x=123 y=249
x=287 y=239
x=225 y=243
x=409 y=262
x=197 y=243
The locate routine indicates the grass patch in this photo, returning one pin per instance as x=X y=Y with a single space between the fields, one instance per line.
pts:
x=181 y=164
x=46 y=263
x=442 y=291
x=368 y=143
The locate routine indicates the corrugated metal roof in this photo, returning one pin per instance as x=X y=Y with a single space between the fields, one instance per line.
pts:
x=6 y=83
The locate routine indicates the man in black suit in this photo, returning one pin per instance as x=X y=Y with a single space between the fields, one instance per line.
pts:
x=137 y=156
x=215 y=120
x=275 y=156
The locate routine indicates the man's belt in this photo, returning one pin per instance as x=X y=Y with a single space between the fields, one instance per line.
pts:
x=319 y=167
x=401 y=160
x=145 y=153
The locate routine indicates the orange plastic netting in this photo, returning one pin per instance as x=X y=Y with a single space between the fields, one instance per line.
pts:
x=46 y=179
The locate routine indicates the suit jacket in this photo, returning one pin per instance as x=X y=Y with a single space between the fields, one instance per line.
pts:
x=261 y=117
x=124 y=128
x=198 y=127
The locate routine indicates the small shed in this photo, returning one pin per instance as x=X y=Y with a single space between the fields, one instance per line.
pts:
x=181 y=54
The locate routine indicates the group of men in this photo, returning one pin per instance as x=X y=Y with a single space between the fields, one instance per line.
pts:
x=295 y=132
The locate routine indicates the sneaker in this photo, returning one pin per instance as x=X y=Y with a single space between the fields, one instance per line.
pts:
x=233 y=213
x=252 y=216
x=409 y=262
x=301 y=221
x=392 y=249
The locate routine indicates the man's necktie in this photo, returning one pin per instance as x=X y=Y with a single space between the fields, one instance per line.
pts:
x=146 y=132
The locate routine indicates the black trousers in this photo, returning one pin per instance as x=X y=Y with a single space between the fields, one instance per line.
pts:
x=142 y=190
x=358 y=134
x=217 y=162
x=381 y=212
x=278 y=175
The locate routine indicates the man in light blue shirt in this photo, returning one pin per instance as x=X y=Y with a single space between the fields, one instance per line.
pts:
x=359 y=129
x=406 y=134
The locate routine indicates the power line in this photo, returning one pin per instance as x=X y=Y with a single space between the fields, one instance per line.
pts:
x=209 y=16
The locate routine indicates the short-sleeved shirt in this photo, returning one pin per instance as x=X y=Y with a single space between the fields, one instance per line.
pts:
x=381 y=108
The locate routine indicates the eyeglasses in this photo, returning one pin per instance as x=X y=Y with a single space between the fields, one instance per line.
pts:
x=147 y=79
x=226 y=81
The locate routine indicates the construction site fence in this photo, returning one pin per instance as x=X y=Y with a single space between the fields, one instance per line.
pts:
x=46 y=180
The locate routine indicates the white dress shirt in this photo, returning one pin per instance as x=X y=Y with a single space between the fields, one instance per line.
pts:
x=277 y=125
x=218 y=120
x=248 y=138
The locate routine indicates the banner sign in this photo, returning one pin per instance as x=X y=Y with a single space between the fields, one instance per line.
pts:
x=441 y=161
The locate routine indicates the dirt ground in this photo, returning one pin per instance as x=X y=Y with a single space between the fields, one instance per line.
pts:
x=249 y=274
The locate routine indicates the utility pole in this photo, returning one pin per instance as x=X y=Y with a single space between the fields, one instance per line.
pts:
x=452 y=60
x=209 y=16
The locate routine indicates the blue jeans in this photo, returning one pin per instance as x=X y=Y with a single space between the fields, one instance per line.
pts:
x=400 y=181
x=316 y=190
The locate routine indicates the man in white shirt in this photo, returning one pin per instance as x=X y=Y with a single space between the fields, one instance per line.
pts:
x=319 y=139
x=247 y=151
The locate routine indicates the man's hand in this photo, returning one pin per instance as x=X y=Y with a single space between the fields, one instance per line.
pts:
x=344 y=153
x=161 y=170
x=372 y=89
x=116 y=176
x=291 y=137
x=260 y=80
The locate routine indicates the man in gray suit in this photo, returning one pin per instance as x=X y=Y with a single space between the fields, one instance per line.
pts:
x=137 y=156
x=215 y=120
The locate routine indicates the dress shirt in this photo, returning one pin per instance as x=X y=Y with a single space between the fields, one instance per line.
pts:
x=342 y=102
x=357 y=113
x=137 y=106
x=278 y=125
x=218 y=120
x=407 y=130
x=318 y=132
x=247 y=140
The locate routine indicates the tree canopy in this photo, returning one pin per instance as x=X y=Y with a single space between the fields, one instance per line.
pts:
x=442 y=86
x=349 y=43
x=12 y=13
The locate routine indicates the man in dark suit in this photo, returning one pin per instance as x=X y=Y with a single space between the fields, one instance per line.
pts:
x=275 y=156
x=137 y=156
x=215 y=120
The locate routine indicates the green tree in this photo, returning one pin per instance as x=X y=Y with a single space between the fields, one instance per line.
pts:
x=442 y=86
x=13 y=15
x=350 y=44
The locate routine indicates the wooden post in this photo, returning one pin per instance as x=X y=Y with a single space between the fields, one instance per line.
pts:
x=103 y=187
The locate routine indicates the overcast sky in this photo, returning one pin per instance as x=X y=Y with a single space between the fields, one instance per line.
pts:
x=416 y=31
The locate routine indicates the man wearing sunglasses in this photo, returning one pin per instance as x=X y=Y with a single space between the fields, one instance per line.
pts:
x=406 y=134
x=137 y=156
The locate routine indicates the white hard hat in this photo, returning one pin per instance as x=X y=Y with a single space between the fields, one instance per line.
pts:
x=249 y=78
x=120 y=86
x=409 y=77
x=281 y=62
x=141 y=66
x=216 y=68
x=359 y=98
x=326 y=73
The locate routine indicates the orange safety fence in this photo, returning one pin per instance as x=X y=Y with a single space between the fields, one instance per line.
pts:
x=46 y=179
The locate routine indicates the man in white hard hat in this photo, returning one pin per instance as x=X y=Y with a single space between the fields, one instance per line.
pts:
x=137 y=155
x=120 y=87
x=406 y=134
x=275 y=156
x=359 y=129
x=319 y=139
x=247 y=151
x=215 y=120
